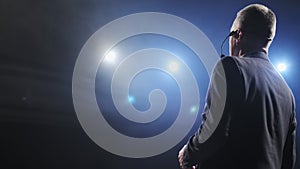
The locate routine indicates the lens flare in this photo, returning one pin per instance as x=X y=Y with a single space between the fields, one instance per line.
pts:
x=101 y=43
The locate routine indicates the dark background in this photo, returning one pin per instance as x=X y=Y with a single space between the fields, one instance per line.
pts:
x=39 y=44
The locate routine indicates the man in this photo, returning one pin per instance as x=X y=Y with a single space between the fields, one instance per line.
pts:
x=249 y=117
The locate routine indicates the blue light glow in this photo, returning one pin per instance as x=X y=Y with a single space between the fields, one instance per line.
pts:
x=131 y=99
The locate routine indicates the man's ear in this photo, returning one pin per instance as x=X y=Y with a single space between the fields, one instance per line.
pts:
x=237 y=37
x=238 y=34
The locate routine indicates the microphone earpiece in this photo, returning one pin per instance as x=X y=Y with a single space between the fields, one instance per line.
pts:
x=232 y=33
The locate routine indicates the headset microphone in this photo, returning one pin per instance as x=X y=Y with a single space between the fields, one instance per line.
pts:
x=230 y=34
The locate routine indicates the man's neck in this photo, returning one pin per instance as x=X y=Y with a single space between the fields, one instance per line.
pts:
x=242 y=52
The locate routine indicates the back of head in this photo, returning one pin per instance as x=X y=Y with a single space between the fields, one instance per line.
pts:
x=256 y=20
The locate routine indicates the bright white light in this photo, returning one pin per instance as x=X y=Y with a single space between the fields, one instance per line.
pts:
x=194 y=109
x=281 y=67
x=173 y=66
x=110 y=57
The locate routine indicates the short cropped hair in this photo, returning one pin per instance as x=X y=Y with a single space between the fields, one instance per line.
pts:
x=258 y=20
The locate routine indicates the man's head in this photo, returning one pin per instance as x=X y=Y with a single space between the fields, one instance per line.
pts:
x=256 y=26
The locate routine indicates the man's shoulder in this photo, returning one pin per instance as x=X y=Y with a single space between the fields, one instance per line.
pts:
x=230 y=63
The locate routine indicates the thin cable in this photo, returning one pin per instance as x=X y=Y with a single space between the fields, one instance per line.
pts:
x=230 y=34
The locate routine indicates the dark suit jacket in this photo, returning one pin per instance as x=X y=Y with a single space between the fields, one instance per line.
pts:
x=249 y=118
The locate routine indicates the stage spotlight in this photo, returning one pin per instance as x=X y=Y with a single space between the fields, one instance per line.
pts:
x=281 y=67
x=111 y=56
x=193 y=109
x=173 y=66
